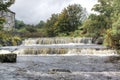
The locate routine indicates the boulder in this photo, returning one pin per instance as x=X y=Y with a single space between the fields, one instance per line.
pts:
x=99 y=40
x=8 y=58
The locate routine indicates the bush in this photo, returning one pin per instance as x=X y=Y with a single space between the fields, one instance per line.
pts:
x=7 y=39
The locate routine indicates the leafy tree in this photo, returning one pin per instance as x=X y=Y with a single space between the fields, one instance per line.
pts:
x=4 y=4
x=97 y=24
x=69 y=19
x=66 y=22
x=104 y=7
x=105 y=23
x=112 y=37
x=50 y=25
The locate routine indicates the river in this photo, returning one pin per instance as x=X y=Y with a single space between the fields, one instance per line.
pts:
x=83 y=64
x=74 y=67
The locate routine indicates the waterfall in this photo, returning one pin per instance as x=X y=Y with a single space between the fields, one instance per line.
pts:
x=56 y=40
x=62 y=41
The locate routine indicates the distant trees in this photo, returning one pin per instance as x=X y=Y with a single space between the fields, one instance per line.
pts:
x=19 y=24
x=29 y=30
x=62 y=24
x=41 y=24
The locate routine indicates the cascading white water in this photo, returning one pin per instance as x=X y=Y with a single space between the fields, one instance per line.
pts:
x=56 y=40
x=61 y=41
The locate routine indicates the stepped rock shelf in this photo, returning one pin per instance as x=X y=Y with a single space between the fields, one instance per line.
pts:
x=79 y=46
x=52 y=48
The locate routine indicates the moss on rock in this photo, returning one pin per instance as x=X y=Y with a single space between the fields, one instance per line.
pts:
x=10 y=58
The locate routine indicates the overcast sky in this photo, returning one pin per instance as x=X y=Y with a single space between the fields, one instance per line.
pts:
x=32 y=11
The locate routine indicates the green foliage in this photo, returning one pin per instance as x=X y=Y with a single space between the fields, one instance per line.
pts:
x=77 y=33
x=27 y=30
x=7 y=39
x=69 y=19
x=62 y=24
x=19 y=24
x=31 y=29
x=41 y=24
x=112 y=37
x=66 y=22
x=50 y=25
x=97 y=24
x=106 y=23
x=104 y=7
x=2 y=20
x=4 y=4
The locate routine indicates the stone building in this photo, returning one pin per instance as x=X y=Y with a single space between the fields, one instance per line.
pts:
x=9 y=19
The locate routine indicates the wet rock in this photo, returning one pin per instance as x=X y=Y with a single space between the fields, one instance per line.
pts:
x=113 y=59
x=8 y=58
x=99 y=40
x=59 y=70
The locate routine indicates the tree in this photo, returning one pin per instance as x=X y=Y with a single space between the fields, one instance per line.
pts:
x=97 y=24
x=4 y=4
x=112 y=37
x=69 y=19
x=50 y=25
x=106 y=23
x=106 y=8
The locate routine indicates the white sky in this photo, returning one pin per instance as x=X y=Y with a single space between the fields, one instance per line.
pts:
x=32 y=11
